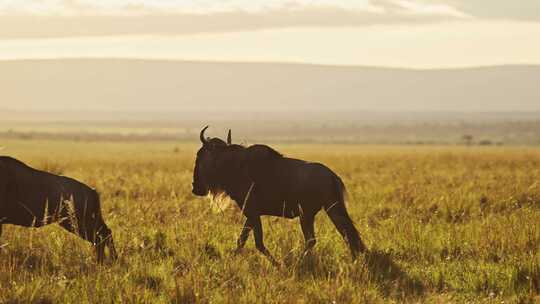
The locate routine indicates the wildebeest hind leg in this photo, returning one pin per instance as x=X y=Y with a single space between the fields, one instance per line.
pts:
x=339 y=216
x=244 y=235
x=307 y=221
x=255 y=222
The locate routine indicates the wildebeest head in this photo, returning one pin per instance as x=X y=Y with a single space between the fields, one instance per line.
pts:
x=204 y=174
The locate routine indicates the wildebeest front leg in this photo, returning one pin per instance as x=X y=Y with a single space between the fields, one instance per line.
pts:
x=256 y=224
x=244 y=235
x=102 y=242
x=307 y=221
x=112 y=249
x=104 y=238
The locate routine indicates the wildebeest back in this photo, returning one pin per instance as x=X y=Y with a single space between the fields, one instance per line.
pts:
x=283 y=186
x=26 y=193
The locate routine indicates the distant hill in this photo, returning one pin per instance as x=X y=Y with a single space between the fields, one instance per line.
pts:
x=137 y=85
x=148 y=85
x=144 y=99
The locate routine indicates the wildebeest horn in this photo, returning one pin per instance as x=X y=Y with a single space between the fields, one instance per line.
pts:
x=201 y=136
x=229 y=139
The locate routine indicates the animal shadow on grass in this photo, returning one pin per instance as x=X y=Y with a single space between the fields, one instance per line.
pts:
x=310 y=266
x=375 y=266
x=393 y=282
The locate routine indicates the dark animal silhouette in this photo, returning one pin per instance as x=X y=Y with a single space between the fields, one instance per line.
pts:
x=263 y=182
x=34 y=198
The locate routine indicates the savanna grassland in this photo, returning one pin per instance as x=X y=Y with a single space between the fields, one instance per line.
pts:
x=442 y=223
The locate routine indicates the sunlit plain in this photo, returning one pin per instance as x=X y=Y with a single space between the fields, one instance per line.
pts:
x=442 y=224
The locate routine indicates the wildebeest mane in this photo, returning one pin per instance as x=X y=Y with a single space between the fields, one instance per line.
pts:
x=238 y=165
x=264 y=151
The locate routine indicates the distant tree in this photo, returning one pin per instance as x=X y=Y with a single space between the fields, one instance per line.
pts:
x=467 y=138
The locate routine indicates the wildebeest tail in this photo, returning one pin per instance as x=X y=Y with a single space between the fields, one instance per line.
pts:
x=341 y=219
x=341 y=190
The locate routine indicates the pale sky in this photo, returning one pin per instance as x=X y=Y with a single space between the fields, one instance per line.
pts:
x=396 y=33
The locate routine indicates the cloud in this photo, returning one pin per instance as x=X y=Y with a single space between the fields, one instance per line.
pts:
x=145 y=7
x=149 y=7
x=410 y=7
x=491 y=9
x=494 y=9
x=66 y=18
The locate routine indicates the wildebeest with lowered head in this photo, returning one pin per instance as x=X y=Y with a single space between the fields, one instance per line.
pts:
x=34 y=198
x=263 y=182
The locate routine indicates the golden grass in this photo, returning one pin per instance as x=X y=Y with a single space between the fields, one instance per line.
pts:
x=443 y=224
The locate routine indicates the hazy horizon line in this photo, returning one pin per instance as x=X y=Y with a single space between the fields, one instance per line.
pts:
x=271 y=62
x=271 y=110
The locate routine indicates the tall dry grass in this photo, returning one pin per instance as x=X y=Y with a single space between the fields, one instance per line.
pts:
x=443 y=224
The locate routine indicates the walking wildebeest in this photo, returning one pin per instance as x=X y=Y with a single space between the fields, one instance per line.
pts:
x=34 y=198
x=263 y=182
